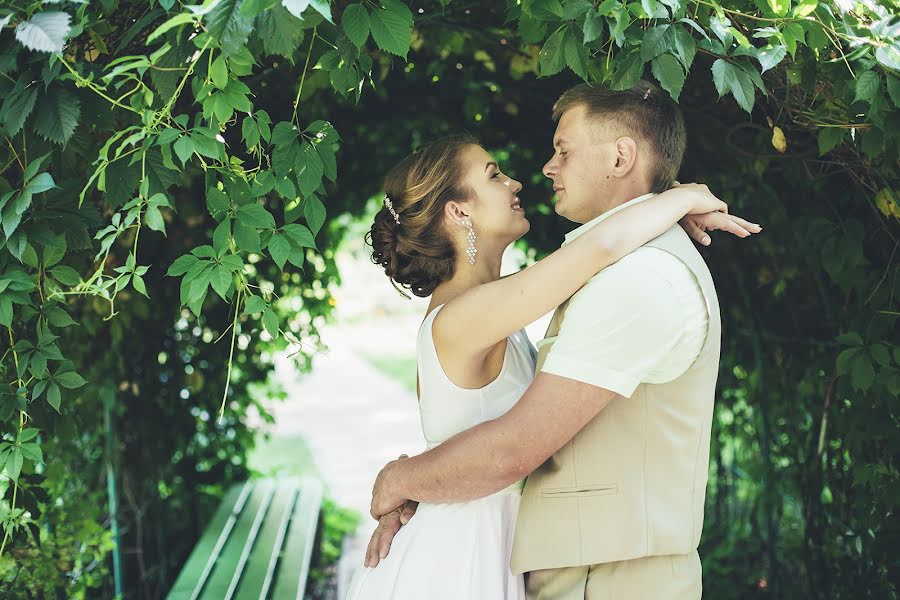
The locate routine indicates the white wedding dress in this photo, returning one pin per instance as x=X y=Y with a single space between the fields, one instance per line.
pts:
x=456 y=551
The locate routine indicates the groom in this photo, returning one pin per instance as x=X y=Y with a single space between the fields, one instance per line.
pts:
x=614 y=432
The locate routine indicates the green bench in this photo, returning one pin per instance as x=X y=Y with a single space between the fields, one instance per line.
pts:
x=258 y=545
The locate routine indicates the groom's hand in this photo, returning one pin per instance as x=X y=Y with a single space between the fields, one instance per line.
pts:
x=383 y=536
x=384 y=498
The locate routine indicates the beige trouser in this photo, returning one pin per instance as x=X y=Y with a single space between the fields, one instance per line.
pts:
x=675 y=577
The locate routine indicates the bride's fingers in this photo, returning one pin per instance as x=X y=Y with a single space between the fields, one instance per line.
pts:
x=751 y=227
x=695 y=232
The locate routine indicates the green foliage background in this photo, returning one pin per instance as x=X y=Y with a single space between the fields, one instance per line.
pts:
x=166 y=174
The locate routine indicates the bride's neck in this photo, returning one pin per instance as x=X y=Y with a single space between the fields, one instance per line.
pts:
x=485 y=270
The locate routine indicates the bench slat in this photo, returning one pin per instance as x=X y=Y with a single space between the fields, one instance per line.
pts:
x=202 y=559
x=257 y=576
x=293 y=569
x=242 y=536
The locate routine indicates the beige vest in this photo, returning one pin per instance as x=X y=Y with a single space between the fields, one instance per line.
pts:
x=632 y=482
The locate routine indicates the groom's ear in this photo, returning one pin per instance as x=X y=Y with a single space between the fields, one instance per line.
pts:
x=625 y=156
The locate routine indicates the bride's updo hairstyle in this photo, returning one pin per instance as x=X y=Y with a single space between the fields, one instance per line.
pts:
x=411 y=243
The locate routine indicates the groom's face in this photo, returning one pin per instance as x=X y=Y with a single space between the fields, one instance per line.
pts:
x=578 y=167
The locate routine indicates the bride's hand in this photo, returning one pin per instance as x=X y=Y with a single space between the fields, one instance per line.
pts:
x=699 y=200
x=696 y=226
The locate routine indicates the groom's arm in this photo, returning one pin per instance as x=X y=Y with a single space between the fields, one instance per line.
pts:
x=495 y=454
x=618 y=330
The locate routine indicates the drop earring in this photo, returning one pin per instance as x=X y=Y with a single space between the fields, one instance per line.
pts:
x=470 y=237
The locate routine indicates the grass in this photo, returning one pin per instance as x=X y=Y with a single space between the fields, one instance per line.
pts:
x=282 y=455
x=398 y=368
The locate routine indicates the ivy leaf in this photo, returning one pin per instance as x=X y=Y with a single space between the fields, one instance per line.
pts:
x=863 y=374
x=593 y=26
x=270 y=322
x=829 y=138
x=893 y=86
x=53 y=395
x=731 y=78
x=45 y=31
x=300 y=234
x=314 y=213
x=225 y=23
x=355 y=23
x=889 y=55
x=309 y=170
x=296 y=7
x=254 y=304
x=181 y=266
x=685 y=46
x=552 y=57
x=656 y=41
x=670 y=74
x=57 y=114
x=217 y=203
x=575 y=53
x=14 y=463
x=154 y=219
x=780 y=7
x=246 y=237
x=770 y=56
x=279 y=248
x=218 y=72
x=69 y=379
x=323 y=8
x=17 y=106
x=628 y=71
x=392 y=27
x=184 y=148
x=867 y=86
x=221 y=281
x=280 y=34
x=254 y=215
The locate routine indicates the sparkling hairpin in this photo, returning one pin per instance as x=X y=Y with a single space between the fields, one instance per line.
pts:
x=647 y=93
x=390 y=207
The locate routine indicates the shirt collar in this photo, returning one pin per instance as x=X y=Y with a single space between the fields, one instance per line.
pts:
x=582 y=229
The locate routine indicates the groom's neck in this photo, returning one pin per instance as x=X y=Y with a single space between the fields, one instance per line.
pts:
x=616 y=197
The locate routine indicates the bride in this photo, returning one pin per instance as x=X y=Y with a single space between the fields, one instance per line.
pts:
x=449 y=212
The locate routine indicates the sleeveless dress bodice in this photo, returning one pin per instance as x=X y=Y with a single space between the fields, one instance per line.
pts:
x=460 y=550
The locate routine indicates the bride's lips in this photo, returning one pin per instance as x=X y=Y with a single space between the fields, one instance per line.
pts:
x=516 y=206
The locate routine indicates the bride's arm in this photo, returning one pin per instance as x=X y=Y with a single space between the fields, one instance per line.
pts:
x=495 y=310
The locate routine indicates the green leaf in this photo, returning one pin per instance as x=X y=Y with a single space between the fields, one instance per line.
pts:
x=656 y=41
x=154 y=219
x=251 y=8
x=792 y=33
x=66 y=275
x=575 y=52
x=301 y=235
x=685 y=46
x=805 y=7
x=53 y=395
x=780 y=7
x=863 y=374
x=392 y=27
x=181 y=265
x=14 y=464
x=355 y=23
x=254 y=215
x=184 y=149
x=593 y=27
x=17 y=106
x=829 y=138
x=254 y=304
x=628 y=71
x=867 y=86
x=670 y=74
x=221 y=281
x=280 y=33
x=893 y=86
x=218 y=72
x=217 y=203
x=889 y=55
x=26 y=435
x=45 y=31
x=770 y=56
x=58 y=111
x=552 y=57
x=314 y=213
x=731 y=78
x=309 y=170
x=279 y=248
x=250 y=131
x=851 y=338
x=69 y=379
x=246 y=237
x=270 y=322
x=225 y=24
x=171 y=23
x=41 y=183
x=32 y=452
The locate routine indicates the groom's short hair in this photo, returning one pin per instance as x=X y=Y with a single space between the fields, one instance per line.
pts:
x=643 y=112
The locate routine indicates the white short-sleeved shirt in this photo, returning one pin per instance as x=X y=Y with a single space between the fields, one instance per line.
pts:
x=641 y=320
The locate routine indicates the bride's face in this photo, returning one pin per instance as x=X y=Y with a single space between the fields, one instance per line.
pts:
x=494 y=205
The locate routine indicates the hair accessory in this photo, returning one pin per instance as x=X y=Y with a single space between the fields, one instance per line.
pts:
x=471 y=250
x=390 y=207
x=647 y=93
